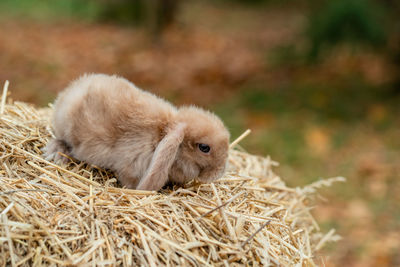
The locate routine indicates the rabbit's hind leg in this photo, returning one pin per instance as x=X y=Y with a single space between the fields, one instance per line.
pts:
x=53 y=150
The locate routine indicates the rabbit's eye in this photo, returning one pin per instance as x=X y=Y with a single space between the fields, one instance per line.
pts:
x=204 y=148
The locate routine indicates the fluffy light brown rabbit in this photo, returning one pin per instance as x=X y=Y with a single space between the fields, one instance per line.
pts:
x=109 y=122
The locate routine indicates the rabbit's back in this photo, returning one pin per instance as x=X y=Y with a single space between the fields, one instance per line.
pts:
x=100 y=115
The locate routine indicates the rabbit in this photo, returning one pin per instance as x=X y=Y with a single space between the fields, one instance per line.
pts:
x=109 y=122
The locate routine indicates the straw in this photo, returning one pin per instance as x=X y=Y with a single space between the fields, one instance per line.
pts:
x=3 y=97
x=77 y=214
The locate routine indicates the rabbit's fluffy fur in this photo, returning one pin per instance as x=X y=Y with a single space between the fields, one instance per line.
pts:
x=108 y=121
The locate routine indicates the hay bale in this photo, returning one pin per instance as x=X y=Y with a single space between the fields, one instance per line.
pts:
x=78 y=215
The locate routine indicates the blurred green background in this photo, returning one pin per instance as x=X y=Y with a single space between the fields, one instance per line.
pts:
x=318 y=82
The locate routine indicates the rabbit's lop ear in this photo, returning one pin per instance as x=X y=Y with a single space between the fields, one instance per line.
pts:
x=157 y=174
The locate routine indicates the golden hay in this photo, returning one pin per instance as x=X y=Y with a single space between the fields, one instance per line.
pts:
x=78 y=215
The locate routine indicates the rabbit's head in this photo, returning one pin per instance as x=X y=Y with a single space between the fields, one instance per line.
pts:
x=203 y=152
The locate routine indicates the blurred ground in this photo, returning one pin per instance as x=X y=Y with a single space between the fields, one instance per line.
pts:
x=335 y=117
